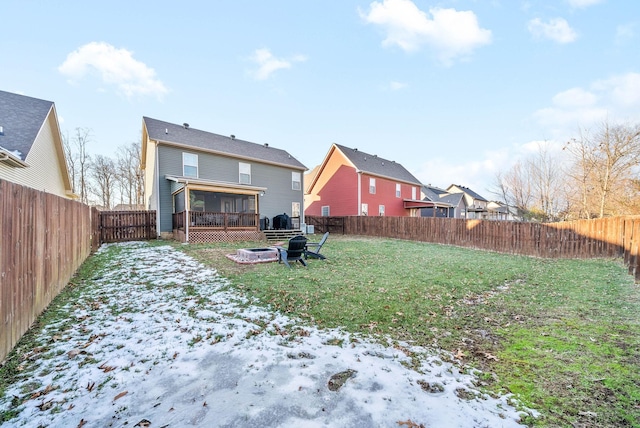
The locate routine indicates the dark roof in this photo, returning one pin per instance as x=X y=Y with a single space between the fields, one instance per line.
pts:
x=436 y=194
x=433 y=193
x=375 y=165
x=21 y=118
x=190 y=137
x=452 y=198
x=469 y=192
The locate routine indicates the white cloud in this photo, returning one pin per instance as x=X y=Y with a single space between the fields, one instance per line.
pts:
x=625 y=32
x=583 y=3
x=395 y=86
x=557 y=29
x=622 y=90
x=477 y=174
x=575 y=97
x=615 y=98
x=450 y=33
x=268 y=64
x=115 y=67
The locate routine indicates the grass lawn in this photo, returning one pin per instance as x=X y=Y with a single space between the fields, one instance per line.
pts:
x=562 y=335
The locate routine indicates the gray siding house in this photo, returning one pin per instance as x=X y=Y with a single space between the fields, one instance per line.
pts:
x=207 y=187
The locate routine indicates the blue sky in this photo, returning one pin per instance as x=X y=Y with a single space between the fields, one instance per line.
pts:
x=454 y=90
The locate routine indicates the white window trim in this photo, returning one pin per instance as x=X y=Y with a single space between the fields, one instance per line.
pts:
x=365 y=209
x=326 y=208
x=296 y=178
x=184 y=164
x=372 y=186
x=399 y=190
x=244 y=169
x=381 y=210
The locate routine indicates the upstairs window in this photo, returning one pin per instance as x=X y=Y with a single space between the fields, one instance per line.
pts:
x=245 y=173
x=413 y=193
x=398 y=188
x=189 y=165
x=296 y=183
x=372 y=186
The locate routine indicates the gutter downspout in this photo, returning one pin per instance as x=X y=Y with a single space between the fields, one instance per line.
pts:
x=359 y=207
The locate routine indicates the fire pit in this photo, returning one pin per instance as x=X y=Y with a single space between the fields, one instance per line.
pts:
x=254 y=255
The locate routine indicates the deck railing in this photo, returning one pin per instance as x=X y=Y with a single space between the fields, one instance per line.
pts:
x=216 y=220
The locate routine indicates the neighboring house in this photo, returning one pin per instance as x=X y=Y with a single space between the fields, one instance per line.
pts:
x=351 y=182
x=128 y=207
x=476 y=205
x=443 y=204
x=209 y=187
x=31 y=149
x=500 y=211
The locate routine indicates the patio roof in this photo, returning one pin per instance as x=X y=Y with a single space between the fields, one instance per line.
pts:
x=415 y=203
x=222 y=185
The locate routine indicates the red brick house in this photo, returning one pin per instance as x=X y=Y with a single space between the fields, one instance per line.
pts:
x=352 y=182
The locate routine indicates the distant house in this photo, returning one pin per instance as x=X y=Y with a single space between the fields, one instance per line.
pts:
x=128 y=207
x=500 y=211
x=207 y=187
x=31 y=149
x=476 y=205
x=442 y=204
x=351 y=182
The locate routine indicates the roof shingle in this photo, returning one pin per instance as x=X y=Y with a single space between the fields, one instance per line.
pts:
x=171 y=133
x=21 y=118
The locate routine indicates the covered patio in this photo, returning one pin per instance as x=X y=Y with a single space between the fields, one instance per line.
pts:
x=209 y=211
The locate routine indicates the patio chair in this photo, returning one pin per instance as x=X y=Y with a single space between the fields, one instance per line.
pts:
x=313 y=248
x=294 y=252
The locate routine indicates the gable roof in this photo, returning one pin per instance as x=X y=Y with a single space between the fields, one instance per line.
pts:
x=436 y=194
x=21 y=118
x=187 y=137
x=372 y=164
x=466 y=190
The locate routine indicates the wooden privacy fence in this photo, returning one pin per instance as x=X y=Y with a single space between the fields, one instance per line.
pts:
x=44 y=240
x=120 y=226
x=608 y=237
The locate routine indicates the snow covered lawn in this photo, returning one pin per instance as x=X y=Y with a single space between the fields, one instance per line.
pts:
x=159 y=340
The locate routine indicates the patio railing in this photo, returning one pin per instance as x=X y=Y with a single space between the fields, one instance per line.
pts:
x=216 y=220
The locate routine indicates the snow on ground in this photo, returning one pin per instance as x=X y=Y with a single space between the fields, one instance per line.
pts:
x=160 y=342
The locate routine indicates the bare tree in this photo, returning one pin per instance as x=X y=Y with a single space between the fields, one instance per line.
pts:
x=533 y=186
x=604 y=166
x=78 y=161
x=545 y=172
x=130 y=177
x=514 y=187
x=103 y=172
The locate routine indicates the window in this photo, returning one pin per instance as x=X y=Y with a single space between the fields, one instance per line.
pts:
x=398 y=193
x=296 y=184
x=380 y=209
x=325 y=211
x=372 y=186
x=295 y=209
x=189 y=165
x=245 y=173
x=413 y=193
x=365 y=209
